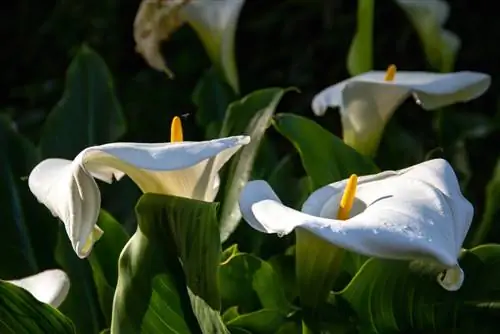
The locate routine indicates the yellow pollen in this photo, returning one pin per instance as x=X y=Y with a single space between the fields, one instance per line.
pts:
x=390 y=73
x=347 y=198
x=176 y=130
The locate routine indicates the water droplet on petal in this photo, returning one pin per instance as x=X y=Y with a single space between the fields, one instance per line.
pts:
x=375 y=231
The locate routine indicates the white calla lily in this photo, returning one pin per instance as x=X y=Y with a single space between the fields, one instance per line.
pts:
x=186 y=169
x=367 y=101
x=418 y=213
x=49 y=286
x=215 y=22
x=428 y=17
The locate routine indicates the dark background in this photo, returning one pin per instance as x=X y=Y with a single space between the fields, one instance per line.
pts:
x=300 y=43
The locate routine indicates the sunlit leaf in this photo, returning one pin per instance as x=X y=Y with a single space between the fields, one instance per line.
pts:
x=252 y=116
x=167 y=278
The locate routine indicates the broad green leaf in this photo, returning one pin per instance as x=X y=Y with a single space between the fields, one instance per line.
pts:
x=167 y=281
x=284 y=266
x=396 y=297
x=251 y=284
x=260 y=322
x=81 y=305
x=20 y=312
x=280 y=178
x=399 y=148
x=88 y=112
x=289 y=328
x=325 y=157
x=250 y=115
x=360 y=56
x=230 y=314
x=491 y=213
x=29 y=233
x=104 y=259
x=212 y=96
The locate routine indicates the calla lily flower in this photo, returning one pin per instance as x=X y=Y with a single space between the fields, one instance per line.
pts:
x=186 y=169
x=49 y=286
x=428 y=17
x=417 y=214
x=214 y=21
x=367 y=101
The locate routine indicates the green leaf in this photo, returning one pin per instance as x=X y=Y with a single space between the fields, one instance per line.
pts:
x=29 y=233
x=261 y=322
x=212 y=96
x=167 y=280
x=360 y=56
x=81 y=305
x=104 y=259
x=20 y=312
x=251 y=115
x=396 y=297
x=251 y=284
x=491 y=212
x=325 y=157
x=88 y=113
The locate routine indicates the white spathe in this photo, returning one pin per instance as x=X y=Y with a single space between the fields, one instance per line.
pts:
x=367 y=101
x=418 y=213
x=215 y=22
x=186 y=169
x=428 y=17
x=49 y=286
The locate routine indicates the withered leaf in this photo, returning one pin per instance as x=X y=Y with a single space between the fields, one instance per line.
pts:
x=155 y=21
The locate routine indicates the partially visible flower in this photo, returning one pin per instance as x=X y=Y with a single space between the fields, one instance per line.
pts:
x=367 y=101
x=214 y=21
x=49 y=286
x=417 y=214
x=428 y=17
x=186 y=169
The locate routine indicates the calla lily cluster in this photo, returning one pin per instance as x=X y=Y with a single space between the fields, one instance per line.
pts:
x=49 y=286
x=180 y=168
x=417 y=214
x=214 y=21
x=367 y=101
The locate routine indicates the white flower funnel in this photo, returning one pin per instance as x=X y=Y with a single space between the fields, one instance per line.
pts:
x=418 y=213
x=367 y=101
x=49 y=286
x=215 y=22
x=186 y=169
x=428 y=17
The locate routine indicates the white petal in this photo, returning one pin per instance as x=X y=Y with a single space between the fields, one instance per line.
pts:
x=68 y=188
x=433 y=90
x=72 y=195
x=49 y=286
x=365 y=110
x=178 y=169
x=451 y=279
x=395 y=217
x=215 y=23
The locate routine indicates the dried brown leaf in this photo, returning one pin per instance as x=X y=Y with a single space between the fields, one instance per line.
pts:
x=155 y=21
